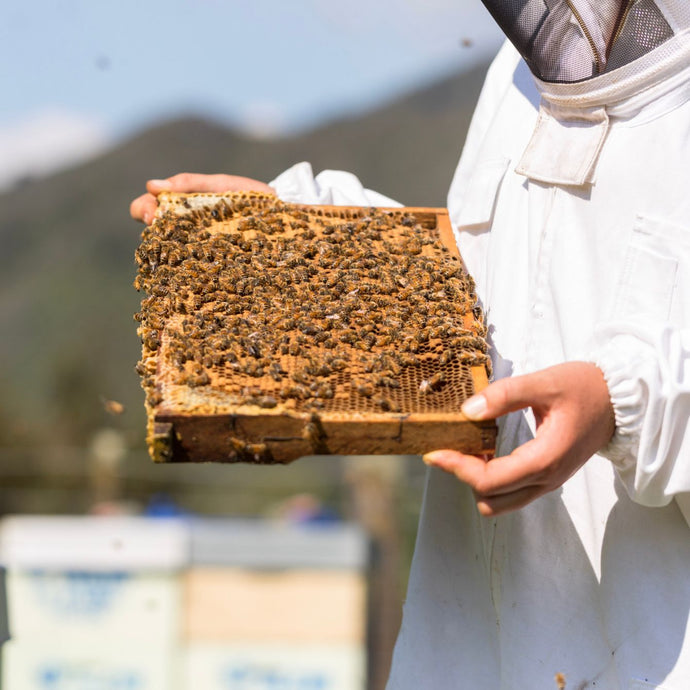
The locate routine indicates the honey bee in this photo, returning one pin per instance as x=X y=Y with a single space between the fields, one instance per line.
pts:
x=322 y=390
x=338 y=363
x=386 y=404
x=154 y=398
x=446 y=357
x=434 y=383
x=297 y=391
x=151 y=341
x=386 y=381
x=364 y=388
x=245 y=450
x=300 y=376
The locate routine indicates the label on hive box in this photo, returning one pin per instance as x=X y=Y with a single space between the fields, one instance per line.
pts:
x=28 y=665
x=284 y=666
x=76 y=604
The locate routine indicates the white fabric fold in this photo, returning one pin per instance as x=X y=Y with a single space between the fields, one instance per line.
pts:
x=330 y=187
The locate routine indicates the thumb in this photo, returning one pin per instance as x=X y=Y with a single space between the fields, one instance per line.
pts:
x=505 y=395
x=155 y=187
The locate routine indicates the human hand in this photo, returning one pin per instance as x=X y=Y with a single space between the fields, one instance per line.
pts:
x=143 y=208
x=574 y=416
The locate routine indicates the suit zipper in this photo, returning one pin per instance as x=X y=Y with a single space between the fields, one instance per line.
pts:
x=620 y=23
x=588 y=36
x=616 y=33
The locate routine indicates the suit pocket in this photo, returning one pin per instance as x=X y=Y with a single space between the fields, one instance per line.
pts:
x=650 y=270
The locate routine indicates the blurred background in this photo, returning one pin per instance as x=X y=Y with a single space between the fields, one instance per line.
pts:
x=99 y=97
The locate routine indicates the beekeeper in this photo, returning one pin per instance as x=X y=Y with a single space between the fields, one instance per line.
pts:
x=565 y=559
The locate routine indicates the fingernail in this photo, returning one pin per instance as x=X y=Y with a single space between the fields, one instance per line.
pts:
x=163 y=184
x=433 y=457
x=474 y=407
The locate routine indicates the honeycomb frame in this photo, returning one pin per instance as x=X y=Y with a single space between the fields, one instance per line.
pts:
x=221 y=404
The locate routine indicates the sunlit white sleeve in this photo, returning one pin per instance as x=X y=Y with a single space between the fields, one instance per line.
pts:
x=647 y=369
x=333 y=187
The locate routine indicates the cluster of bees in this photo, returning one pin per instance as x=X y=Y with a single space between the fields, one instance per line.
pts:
x=289 y=306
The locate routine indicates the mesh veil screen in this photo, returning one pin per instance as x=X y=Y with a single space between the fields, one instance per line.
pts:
x=644 y=29
x=575 y=40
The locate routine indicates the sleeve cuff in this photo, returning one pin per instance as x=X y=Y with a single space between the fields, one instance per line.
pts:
x=624 y=368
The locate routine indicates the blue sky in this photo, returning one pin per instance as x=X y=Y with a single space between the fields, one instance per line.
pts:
x=78 y=75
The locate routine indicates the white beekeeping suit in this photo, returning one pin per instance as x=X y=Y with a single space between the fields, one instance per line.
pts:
x=572 y=209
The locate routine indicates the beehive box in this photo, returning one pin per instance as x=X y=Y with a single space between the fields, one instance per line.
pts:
x=273 y=331
x=93 y=578
x=254 y=582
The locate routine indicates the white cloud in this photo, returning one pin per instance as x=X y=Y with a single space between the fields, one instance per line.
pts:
x=46 y=141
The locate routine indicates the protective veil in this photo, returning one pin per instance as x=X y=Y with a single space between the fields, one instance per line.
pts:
x=572 y=212
x=574 y=40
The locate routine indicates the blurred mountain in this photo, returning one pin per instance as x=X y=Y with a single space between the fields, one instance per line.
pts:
x=67 y=243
